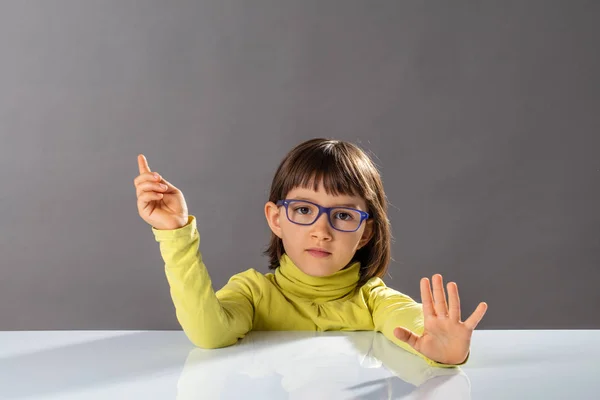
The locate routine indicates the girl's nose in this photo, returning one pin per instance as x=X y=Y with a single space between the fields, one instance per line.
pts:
x=321 y=227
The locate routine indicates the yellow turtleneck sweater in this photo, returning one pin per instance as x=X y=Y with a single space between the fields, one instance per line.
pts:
x=288 y=299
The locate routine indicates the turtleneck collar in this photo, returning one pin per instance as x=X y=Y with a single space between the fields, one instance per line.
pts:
x=319 y=289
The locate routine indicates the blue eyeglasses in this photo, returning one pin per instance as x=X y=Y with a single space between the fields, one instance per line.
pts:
x=302 y=212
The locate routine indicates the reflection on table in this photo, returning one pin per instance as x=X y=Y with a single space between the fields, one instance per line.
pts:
x=312 y=365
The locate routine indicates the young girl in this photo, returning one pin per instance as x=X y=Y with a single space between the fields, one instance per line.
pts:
x=329 y=248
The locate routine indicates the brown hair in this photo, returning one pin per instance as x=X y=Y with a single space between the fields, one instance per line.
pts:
x=345 y=169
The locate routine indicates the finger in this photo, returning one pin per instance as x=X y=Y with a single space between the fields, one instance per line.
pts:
x=151 y=187
x=454 y=301
x=170 y=187
x=406 y=336
x=477 y=315
x=148 y=197
x=439 y=296
x=426 y=298
x=145 y=177
x=143 y=164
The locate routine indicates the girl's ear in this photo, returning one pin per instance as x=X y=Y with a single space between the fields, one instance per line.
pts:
x=272 y=214
x=367 y=234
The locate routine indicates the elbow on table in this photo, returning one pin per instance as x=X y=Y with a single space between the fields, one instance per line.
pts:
x=211 y=342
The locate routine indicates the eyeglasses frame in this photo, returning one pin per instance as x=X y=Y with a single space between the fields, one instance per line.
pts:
x=286 y=202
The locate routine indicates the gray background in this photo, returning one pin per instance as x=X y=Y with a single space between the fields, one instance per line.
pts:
x=483 y=117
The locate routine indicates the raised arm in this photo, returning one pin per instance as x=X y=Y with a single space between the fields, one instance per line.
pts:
x=209 y=319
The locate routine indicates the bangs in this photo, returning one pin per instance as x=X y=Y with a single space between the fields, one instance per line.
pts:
x=339 y=171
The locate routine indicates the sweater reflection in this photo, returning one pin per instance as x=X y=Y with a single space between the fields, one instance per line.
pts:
x=316 y=365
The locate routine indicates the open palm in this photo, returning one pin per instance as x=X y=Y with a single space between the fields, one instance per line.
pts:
x=445 y=338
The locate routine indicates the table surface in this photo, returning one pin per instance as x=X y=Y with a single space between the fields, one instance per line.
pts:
x=504 y=364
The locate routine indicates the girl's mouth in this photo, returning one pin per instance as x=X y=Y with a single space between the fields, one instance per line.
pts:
x=318 y=254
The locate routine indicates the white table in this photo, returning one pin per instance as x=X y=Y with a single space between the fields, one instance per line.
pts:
x=293 y=365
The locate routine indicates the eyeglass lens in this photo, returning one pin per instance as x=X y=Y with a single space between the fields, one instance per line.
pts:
x=306 y=213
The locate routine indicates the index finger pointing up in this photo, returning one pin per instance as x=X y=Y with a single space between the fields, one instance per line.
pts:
x=143 y=164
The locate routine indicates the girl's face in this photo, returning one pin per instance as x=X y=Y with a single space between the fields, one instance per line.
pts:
x=298 y=239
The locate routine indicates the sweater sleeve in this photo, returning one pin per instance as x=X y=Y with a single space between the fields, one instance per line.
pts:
x=209 y=319
x=391 y=309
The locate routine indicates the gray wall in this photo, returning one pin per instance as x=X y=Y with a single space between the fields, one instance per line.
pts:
x=483 y=117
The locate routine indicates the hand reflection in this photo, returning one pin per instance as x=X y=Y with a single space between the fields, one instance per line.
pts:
x=302 y=364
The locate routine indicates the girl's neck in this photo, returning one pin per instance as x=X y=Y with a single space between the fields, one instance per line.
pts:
x=317 y=289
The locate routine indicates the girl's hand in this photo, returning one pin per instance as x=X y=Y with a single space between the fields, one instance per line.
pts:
x=445 y=339
x=164 y=206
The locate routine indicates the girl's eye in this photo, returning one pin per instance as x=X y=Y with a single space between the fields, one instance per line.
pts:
x=305 y=210
x=344 y=216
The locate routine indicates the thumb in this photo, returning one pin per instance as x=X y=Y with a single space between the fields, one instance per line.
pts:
x=406 y=336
